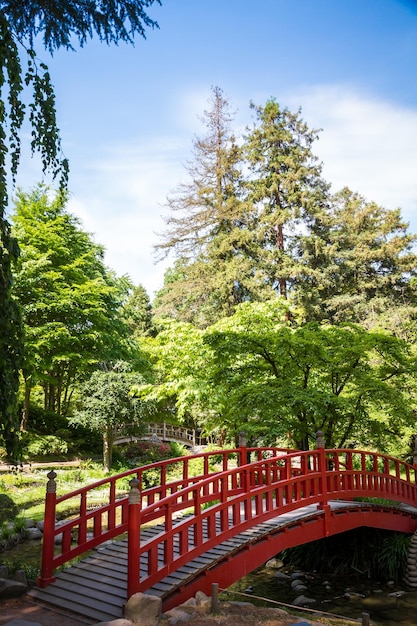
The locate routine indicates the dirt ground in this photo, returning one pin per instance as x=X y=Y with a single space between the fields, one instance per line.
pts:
x=29 y=610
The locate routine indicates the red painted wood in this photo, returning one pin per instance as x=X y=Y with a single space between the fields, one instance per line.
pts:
x=219 y=505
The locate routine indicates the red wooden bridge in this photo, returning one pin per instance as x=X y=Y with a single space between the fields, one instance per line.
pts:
x=212 y=517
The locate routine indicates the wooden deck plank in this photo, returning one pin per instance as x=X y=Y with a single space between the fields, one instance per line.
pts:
x=70 y=601
x=96 y=586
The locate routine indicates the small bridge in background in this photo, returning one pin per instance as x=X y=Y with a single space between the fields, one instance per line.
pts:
x=210 y=517
x=189 y=437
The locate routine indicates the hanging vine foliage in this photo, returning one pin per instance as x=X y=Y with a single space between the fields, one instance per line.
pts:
x=24 y=78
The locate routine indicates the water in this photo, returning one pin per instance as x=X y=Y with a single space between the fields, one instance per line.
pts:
x=372 y=597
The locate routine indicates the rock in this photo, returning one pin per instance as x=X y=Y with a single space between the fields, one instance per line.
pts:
x=4 y=572
x=282 y=576
x=11 y=589
x=20 y=577
x=177 y=615
x=116 y=622
x=58 y=539
x=295 y=575
x=191 y=602
x=143 y=609
x=300 y=588
x=296 y=582
x=303 y=601
x=33 y=533
x=353 y=595
x=274 y=563
x=202 y=599
x=30 y=523
x=40 y=525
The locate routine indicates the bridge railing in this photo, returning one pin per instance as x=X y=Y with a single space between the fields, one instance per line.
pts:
x=166 y=432
x=92 y=522
x=225 y=504
x=226 y=495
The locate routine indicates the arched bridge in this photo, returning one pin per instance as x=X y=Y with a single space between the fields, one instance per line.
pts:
x=189 y=437
x=211 y=517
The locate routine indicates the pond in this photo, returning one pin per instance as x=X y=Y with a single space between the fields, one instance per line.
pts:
x=364 y=595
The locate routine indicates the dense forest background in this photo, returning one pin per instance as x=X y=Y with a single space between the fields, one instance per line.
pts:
x=288 y=308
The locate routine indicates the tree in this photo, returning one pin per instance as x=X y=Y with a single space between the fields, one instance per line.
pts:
x=137 y=312
x=209 y=227
x=105 y=403
x=70 y=301
x=178 y=385
x=20 y=24
x=358 y=262
x=285 y=187
x=286 y=381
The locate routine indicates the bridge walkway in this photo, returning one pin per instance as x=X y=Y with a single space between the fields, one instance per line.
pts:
x=96 y=586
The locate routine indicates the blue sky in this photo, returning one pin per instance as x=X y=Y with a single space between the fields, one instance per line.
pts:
x=128 y=115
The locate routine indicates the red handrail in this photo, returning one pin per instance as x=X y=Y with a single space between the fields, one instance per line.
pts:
x=277 y=481
x=110 y=520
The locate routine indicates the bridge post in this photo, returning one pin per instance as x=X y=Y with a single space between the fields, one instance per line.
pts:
x=47 y=577
x=133 y=538
x=322 y=468
x=415 y=451
x=242 y=446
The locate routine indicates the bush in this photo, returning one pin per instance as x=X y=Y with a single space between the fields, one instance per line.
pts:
x=45 y=445
x=144 y=452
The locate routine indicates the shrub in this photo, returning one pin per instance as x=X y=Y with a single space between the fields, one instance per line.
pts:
x=44 y=445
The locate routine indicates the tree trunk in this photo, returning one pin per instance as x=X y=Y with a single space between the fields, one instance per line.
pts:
x=25 y=412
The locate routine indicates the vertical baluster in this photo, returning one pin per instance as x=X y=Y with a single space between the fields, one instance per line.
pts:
x=111 y=517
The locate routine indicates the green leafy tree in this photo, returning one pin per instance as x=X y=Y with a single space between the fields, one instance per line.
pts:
x=106 y=403
x=285 y=187
x=359 y=263
x=209 y=227
x=137 y=312
x=283 y=381
x=179 y=387
x=25 y=78
x=70 y=301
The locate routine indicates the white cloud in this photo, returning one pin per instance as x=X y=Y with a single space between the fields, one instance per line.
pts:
x=366 y=144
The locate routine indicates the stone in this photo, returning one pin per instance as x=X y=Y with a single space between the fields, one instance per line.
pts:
x=58 y=539
x=20 y=577
x=40 y=525
x=202 y=599
x=299 y=588
x=30 y=523
x=11 y=589
x=191 y=602
x=274 y=563
x=177 y=615
x=4 y=572
x=296 y=582
x=33 y=534
x=303 y=601
x=282 y=576
x=143 y=609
